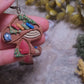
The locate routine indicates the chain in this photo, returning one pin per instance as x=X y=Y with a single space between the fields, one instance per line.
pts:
x=17 y=8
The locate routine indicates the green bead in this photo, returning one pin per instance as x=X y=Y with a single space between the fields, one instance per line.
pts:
x=33 y=22
x=20 y=17
x=26 y=27
x=29 y=20
x=12 y=30
x=24 y=21
x=17 y=53
x=19 y=30
x=24 y=16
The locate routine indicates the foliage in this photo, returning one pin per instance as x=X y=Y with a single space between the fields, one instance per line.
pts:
x=80 y=46
x=61 y=9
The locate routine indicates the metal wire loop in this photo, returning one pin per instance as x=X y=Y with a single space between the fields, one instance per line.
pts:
x=16 y=7
x=18 y=10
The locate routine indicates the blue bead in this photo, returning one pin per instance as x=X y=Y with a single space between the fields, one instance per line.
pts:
x=7 y=37
x=36 y=47
x=30 y=26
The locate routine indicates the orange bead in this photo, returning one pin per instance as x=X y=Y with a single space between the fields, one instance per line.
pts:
x=18 y=25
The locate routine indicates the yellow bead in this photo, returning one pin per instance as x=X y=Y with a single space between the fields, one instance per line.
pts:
x=18 y=25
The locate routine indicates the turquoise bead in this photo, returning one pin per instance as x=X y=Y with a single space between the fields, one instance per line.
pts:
x=20 y=17
x=26 y=27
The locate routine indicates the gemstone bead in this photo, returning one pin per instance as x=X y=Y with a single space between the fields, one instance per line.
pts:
x=26 y=27
x=7 y=37
x=20 y=17
x=35 y=47
x=30 y=26
x=25 y=19
x=18 y=25
x=17 y=53
x=14 y=26
x=14 y=31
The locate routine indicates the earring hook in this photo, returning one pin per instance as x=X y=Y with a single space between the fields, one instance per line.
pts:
x=17 y=8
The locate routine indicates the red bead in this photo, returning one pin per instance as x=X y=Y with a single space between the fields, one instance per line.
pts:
x=14 y=26
x=24 y=47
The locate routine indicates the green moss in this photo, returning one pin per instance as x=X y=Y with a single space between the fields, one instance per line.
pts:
x=80 y=46
x=54 y=8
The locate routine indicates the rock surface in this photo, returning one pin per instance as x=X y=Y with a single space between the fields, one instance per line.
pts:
x=57 y=63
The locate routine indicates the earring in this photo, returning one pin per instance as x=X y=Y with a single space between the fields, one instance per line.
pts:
x=22 y=31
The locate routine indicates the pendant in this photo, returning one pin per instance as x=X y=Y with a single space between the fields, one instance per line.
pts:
x=22 y=31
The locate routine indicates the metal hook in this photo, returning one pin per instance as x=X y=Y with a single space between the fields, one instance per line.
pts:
x=17 y=8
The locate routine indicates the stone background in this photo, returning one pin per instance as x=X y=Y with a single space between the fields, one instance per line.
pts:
x=58 y=60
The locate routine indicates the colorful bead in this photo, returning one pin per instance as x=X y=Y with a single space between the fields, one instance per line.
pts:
x=26 y=19
x=14 y=31
x=18 y=25
x=20 y=17
x=24 y=48
x=14 y=26
x=31 y=21
x=7 y=37
x=30 y=26
x=26 y=27
x=35 y=47
x=24 y=16
x=17 y=53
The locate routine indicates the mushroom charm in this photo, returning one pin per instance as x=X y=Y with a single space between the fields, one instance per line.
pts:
x=22 y=31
